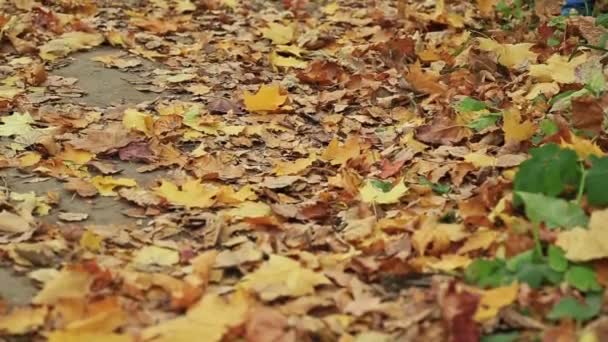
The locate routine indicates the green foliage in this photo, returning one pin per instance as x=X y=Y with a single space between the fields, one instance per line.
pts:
x=554 y=212
x=570 y=307
x=501 y=337
x=438 y=188
x=530 y=268
x=384 y=186
x=469 y=104
x=484 y=122
x=550 y=171
x=596 y=182
x=557 y=259
x=582 y=278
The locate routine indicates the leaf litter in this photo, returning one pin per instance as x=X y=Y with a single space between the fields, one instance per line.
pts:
x=332 y=170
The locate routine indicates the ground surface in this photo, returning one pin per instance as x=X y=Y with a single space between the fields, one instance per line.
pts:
x=268 y=171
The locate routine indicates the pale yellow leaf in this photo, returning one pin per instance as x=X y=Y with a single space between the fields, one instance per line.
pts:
x=482 y=239
x=582 y=244
x=558 y=68
x=509 y=55
x=372 y=194
x=282 y=168
x=136 y=120
x=279 y=33
x=249 y=209
x=515 y=130
x=338 y=154
x=154 y=255
x=105 y=184
x=283 y=277
x=583 y=147
x=68 y=43
x=78 y=336
x=69 y=284
x=23 y=320
x=480 y=159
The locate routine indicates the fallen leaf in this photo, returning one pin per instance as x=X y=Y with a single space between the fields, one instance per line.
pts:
x=282 y=277
x=77 y=336
x=338 y=154
x=268 y=98
x=370 y=193
x=582 y=244
x=13 y=223
x=154 y=255
x=495 y=299
x=68 y=284
x=69 y=42
x=282 y=168
x=558 y=68
x=138 y=121
x=105 y=185
x=23 y=320
x=424 y=82
x=509 y=55
x=208 y=320
x=515 y=130
x=192 y=193
x=279 y=33
x=442 y=131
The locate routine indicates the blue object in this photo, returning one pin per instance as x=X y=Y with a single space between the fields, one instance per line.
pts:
x=584 y=7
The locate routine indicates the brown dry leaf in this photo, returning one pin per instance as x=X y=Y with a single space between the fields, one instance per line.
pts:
x=588 y=114
x=486 y=7
x=13 y=223
x=442 y=131
x=68 y=43
x=81 y=187
x=423 y=81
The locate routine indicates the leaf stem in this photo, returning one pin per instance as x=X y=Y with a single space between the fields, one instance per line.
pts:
x=581 y=185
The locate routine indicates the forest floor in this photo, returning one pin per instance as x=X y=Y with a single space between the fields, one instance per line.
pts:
x=265 y=171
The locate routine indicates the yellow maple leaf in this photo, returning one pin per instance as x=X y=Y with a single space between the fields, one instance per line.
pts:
x=249 y=209
x=91 y=241
x=79 y=336
x=509 y=55
x=582 y=244
x=338 y=155
x=68 y=284
x=480 y=159
x=283 y=277
x=23 y=320
x=278 y=33
x=76 y=156
x=481 y=239
x=558 y=68
x=286 y=62
x=450 y=262
x=486 y=7
x=583 y=147
x=154 y=255
x=208 y=320
x=372 y=194
x=282 y=168
x=68 y=43
x=440 y=234
x=515 y=130
x=29 y=158
x=105 y=184
x=495 y=299
x=268 y=98
x=136 y=120
x=227 y=195
x=192 y=194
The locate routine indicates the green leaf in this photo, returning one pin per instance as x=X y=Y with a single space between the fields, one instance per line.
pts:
x=469 y=104
x=548 y=127
x=557 y=259
x=602 y=20
x=384 y=186
x=484 y=122
x=501 y=337
x=439 y=188
x=554 y=212
x=487 y=273
x=550 y=171
x=582 y=278
x=596 y=182
x=570 y=307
